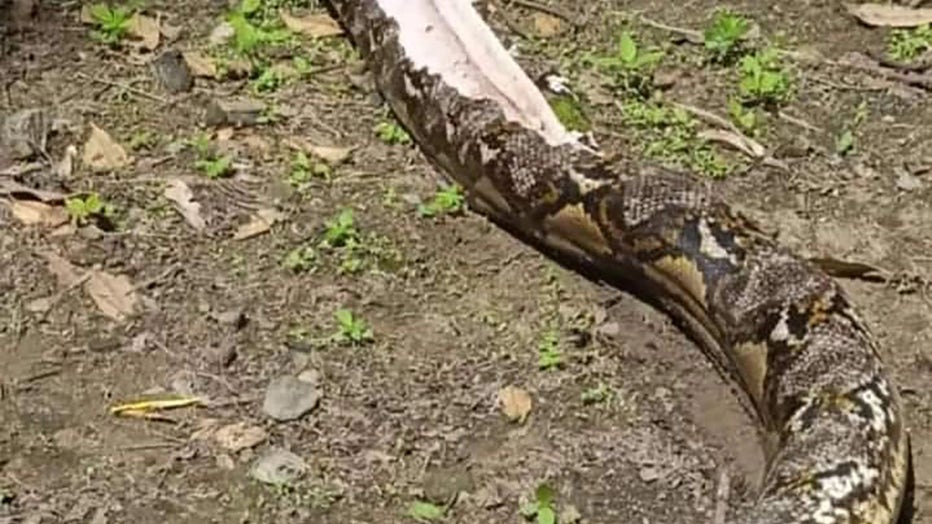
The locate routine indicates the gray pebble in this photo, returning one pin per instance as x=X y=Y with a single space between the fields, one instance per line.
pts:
x=172 y=72
x=278 y=466
x=288 y=398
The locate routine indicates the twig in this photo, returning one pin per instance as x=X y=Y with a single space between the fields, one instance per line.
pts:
x=799 y=122
x=543 y=8
x=691 y=35
x=922 y=81
x=125 y=87
x=721 y=498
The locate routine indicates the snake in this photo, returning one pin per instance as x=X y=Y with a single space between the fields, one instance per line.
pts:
x=831 y=422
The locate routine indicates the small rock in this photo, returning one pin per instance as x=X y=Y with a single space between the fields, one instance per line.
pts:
x=25 y=133
x=288 y=398
x=171 y=70
x=278 y=466
x=649 y=473
x=907 y=181
x=239 y=436
x=234 y=112
x=608 y=329
x=221 y=34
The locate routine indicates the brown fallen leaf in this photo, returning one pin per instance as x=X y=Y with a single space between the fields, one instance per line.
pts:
x=889 y=15
x=11 y=188
x=114 y=295
x=331 y=154
x=238 y=436
x=314 y=25
x=146 y=30
x=179 y=193
x=102 y=152
x=515 y=403
x=66 y=273
x=261 y=222
x=546 y=25
x=200 y=65
x=31 y=212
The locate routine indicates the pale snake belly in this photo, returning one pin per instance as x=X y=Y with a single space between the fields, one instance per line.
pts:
x=777 y=324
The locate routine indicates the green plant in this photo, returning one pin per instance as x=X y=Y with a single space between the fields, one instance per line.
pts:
x=303 y=169
x=845 y=141
x=907 y=44
x=215 y=167
x=425 y=511
x=341 y=230
x=670 y=134
x=392 y=133
x=350 y=329
x=81 y=210
x=300 y=259
x=746 y=118
x=763 y=80
x=542 y=506
x=449 y=199
x=595 y=395
x=548 y=349
x=111 y=23
x=630 y=65
x=722 y=38
x=249 y=37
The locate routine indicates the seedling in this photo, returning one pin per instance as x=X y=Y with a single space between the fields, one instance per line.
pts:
x=303 y=169
x=350 y=329
x=549 y=354
x=248 y=37
x=448 y=200
x=425 y=511
x=81 y=210
x=111 y=23
x=907 y=44
x=215 y=167
x=301 y=259
x=541 y=508
x=723 y=36
x=630 y=65
x=392 y=133
x=845 y=141
x=341 y=230
x=763 y=81
x=746 y=118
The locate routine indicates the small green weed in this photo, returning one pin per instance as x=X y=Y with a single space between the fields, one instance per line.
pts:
x=111 y=24
x=303 y=169
x=845 y=141
x=670 y=135
x=763 y=80
x=630 y=66
x=747 y=119
x=596 y=395
x=570 y=113
x=723 y=36
x=215 y=167
x=907 y=44
x=301 y=259
x=425 y=511
x=392 y=133
x=548 y=349
x=82 y=210
x=341 y=231
x=350 y=329
x=448 y=200
x=541 y=508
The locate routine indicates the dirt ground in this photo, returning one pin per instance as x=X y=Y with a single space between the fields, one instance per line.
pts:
x=631 y=426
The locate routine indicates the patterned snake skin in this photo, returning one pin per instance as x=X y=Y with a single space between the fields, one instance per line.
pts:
x=777 y=324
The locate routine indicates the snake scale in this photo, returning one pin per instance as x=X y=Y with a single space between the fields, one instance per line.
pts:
x=784 y=330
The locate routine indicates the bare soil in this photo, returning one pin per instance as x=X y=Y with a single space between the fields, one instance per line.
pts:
x=457 y=308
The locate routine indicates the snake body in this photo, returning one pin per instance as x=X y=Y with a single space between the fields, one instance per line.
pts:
x=782 y=328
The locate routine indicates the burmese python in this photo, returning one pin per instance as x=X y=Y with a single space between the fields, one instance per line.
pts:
x=781 y=327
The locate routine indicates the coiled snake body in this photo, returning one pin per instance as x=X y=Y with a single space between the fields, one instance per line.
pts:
x=782 y=328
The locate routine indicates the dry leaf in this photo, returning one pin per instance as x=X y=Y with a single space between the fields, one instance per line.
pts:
x=31 y=212
x=146 y=29
x=114 y=295
x=102 y=152
x=888 y=15
x=261 y=222
x=515 y=403
x=85 y=16
x=239 y=436
x=317 y=26
x=331 y=154
x=546 y=25
x=179 y=193
x=9 y=187
x=200 y=65
x=66 y=273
